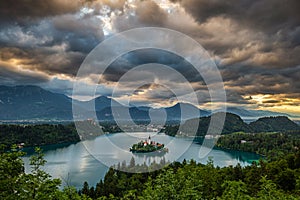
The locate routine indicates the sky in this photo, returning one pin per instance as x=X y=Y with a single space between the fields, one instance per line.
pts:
x=255 y=44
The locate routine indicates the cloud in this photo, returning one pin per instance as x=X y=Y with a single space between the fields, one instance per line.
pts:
x=102 y=7
x=140 y=14
x=17 y=11
x=263 y=32
x=252 y=80
x=256 y=44
x=55 y=45
x=148 y=12
x=12 y=75
x=45 y=60
x=265 y=15
x=147 y=56
x=81 y=34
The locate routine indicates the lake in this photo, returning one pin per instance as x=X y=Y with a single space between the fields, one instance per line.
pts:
x=89 y=160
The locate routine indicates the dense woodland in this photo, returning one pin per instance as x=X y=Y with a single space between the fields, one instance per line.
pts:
x=271 y=144
x=33 y=135
x=45 y=134
x=275 y=177
x=233 y=123
x=278 y=179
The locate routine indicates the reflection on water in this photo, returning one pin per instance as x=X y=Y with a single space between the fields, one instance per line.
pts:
x=75 y=163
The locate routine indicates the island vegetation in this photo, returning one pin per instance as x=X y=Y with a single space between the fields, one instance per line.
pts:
x=148 y=146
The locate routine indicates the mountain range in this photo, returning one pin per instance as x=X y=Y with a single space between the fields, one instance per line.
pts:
x=36 y=103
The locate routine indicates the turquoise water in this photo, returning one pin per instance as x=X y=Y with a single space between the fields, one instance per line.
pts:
x=89 y=160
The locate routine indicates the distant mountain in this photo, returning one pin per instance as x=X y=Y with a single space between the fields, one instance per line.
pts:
x=143 y=113
x=253 y=113
x=100 y=103
x=270 y=124
x=189 y=111
x=35 y=103
x=32 y=102
x=135 y=114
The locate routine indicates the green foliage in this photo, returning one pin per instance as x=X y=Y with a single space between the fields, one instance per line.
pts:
x=233 y=123
x=171 y=130
x=269 y=191
x=271 y=124
x=70 y=193
x=110 y=127
x=34 y=135
x=189 y=180
x=234 y=190
x=184 y=184
x=11 y=167
x=277 y=179
x=270 y=144
x=16 y=184
x=19 y=185
x=140 y=147
x=38 y=184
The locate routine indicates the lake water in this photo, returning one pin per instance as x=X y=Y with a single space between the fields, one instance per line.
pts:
x=89 y=160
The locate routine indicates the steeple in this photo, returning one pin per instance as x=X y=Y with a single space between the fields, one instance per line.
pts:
x=149 y=140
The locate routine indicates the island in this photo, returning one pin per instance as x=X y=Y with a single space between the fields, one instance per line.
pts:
x=148 y=146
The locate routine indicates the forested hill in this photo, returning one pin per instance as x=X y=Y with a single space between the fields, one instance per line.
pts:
x=36 y=135
x=271 y=124
x=45 y=134
x=233 y=123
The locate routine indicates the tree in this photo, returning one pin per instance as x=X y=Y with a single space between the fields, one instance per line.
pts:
x=38 y=184
x=269 y=190
x=16 y=184
x=11 y=168
x=286 y=180
x=132 y=163
x=86 y=189
x=99 y=189
x=234 y=190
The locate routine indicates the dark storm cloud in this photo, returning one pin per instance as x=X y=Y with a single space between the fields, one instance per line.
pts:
x=247 y=79
x=157 y=94
x=11 y=10
x=81 y=34
x=56 y=45
x=266 y=15
x=145 y=56
x=233 y=96
x=272 y=101
x=273 y=25
x=255 y=43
